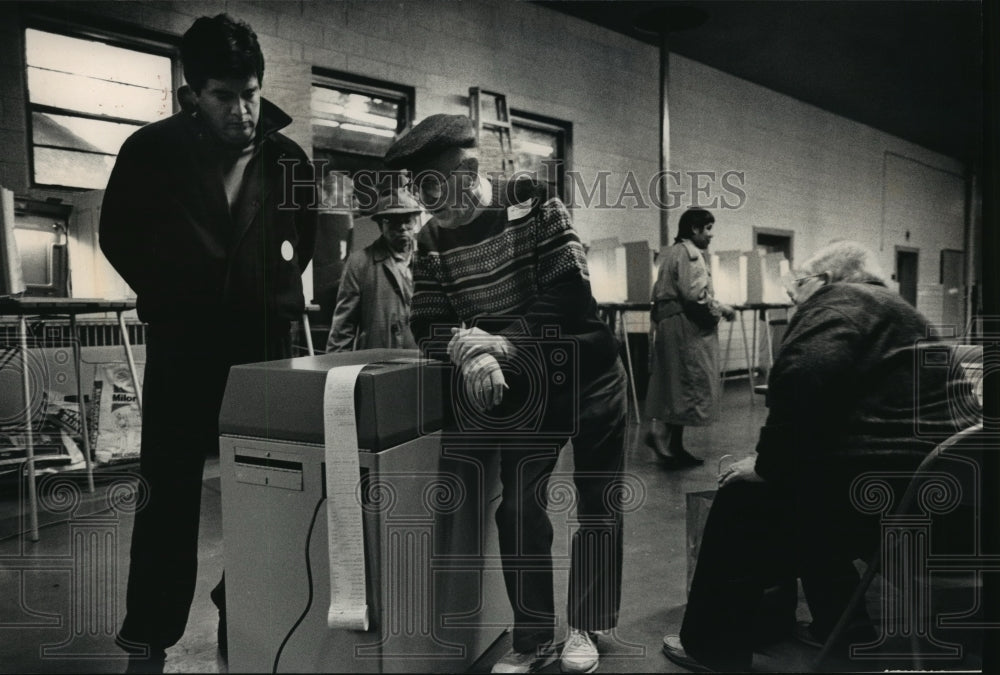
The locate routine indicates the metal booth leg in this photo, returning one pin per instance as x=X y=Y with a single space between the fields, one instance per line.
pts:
x=725 y=358
x=308 y=331
x=130 y=359
x=746 y=351
x=29 y=434
x=623 y=330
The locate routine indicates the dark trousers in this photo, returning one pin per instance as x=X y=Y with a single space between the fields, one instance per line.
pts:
x=757 y=537
x=187 y=365
x=594 y=594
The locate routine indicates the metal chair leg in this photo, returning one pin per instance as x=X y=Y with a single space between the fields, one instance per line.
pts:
x=845 y=618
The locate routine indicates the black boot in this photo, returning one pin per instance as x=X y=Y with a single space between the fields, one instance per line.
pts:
x=658 y=439
x=664 y=440
x=682 y=456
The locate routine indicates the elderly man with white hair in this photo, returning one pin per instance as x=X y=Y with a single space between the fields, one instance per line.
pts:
x=843 y=397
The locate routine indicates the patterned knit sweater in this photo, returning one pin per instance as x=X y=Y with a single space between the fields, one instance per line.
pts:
x=519 y=270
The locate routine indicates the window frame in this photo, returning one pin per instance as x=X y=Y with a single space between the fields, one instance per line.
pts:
x=563 y=128
x=110 y=32
x=366 y=86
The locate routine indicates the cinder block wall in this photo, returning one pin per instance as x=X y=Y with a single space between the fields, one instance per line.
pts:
x=805 y=170
x=814 y=173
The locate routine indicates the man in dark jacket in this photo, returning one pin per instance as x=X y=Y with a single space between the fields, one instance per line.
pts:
x=844 y=398
x=201 y=219
x=373 y=303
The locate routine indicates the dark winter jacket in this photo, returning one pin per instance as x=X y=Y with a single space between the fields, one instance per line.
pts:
x=167 y=227
x=852 y=390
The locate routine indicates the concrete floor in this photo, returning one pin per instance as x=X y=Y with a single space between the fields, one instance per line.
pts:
x=40 y=631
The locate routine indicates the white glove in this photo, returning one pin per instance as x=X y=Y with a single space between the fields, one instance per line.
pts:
x=484 y=381
x=469 y=342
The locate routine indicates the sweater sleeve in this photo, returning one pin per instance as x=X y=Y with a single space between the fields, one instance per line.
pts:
x=431 y=313
x=564 y=296
x=809 y=390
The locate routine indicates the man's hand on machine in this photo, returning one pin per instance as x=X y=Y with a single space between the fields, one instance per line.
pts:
x=484 y=381
x=467 y=343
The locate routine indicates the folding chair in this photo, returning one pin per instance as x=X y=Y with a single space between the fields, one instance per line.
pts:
x=964 y=446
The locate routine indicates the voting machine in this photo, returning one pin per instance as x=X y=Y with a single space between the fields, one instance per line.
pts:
x=354 y=542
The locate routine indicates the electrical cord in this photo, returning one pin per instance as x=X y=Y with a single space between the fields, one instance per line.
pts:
x=309 y=580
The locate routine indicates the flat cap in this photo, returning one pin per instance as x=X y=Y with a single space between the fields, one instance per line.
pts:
x=433 y=135
x=396 y=201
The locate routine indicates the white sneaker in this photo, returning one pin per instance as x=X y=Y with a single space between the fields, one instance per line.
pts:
x=579 y=654
x=526 y=662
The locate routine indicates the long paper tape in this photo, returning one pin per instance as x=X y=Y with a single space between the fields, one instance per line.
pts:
x=345 y=536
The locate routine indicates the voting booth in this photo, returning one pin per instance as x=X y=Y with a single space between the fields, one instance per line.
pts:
x=354 y=541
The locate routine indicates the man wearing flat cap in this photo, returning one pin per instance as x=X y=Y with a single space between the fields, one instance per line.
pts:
x=373 y=303
x=501 y=290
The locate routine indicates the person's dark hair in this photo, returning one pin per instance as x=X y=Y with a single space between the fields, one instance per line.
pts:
x=220 y=47
x=691 y=219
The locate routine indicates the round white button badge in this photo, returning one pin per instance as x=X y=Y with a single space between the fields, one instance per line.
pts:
x=287 y=251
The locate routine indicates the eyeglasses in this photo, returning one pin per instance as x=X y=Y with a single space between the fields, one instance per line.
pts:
x=430 y=186
x=793 y=283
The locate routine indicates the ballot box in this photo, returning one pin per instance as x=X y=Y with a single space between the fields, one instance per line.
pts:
x=424 y=549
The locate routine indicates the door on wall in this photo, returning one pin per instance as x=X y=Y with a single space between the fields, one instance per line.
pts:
x=906 y=274
x=953 y=287
x=773 y=241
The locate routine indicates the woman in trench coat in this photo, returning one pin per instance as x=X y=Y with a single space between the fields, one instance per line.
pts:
x=684 y=377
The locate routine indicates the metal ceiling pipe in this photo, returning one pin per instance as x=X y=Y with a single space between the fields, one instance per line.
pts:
x=662 y=21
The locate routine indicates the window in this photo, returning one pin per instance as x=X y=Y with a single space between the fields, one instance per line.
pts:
x=354 y=120
x=85 y=97
x=542 y=146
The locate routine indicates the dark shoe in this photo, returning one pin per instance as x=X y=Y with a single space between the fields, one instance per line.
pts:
x=676 y=447
x=659 y=443
x=142 y=658
x=673 y=460
x=686 y=457
x=674 y=650
x=803 y=635
x=667 y=441
x=859 y=632
x=774 y=620
x=154 y=663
